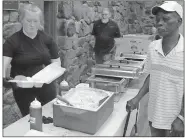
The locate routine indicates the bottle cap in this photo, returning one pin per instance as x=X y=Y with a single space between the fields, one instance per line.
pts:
x=35 y=103
x=64 y=83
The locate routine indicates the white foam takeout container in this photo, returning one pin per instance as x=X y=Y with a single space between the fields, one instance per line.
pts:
x=46 y=75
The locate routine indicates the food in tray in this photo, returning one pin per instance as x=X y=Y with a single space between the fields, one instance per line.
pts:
x=85 y=98
x=64 y=100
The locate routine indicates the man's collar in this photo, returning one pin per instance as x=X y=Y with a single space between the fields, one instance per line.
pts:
x=158 y=46
x=180 y=44
x=178 y=48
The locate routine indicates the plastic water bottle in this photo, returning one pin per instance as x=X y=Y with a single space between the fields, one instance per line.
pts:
x=64 y=87
x=36 y=115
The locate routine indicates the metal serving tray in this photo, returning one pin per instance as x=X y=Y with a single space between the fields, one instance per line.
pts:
x=113 y=84
x=136 y=57
x=127 y=62
x=115 y=71
x=87 y=121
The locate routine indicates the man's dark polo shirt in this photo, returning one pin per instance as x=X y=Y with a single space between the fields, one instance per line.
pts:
x=105 y=34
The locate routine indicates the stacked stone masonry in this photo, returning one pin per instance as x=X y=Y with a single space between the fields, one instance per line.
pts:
x=74 y=25
x=11 y=112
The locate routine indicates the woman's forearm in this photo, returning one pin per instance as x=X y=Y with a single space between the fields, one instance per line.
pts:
x=6 y=64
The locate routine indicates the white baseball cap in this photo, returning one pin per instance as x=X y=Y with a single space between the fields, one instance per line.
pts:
x=169 y=6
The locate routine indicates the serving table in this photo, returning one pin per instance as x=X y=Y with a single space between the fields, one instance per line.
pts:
x=114 y=125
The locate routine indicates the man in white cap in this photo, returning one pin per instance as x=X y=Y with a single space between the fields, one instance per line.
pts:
x=164 y=67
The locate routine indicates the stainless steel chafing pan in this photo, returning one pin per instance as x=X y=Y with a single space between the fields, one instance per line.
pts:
x=116 y=70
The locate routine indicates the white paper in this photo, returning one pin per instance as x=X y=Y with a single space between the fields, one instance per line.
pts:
x=36 y=133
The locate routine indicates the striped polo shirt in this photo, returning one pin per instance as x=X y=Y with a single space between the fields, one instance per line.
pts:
x=166 y=83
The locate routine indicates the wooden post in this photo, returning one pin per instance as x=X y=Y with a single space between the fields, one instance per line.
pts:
x=50 y=11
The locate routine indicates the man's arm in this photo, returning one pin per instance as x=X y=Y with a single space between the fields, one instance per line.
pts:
x=178 y=124
x=133 y=103
x=182 y=107
x=117 y=33
x=94 y=29
x=144 y=90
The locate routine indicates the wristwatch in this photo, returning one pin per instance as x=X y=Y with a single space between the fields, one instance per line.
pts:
x=181 y=117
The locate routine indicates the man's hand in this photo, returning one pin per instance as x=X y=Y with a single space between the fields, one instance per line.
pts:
x=178 y=128
x=132 y=104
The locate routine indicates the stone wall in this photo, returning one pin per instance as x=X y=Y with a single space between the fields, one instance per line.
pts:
x=75 y=22
x=10 y=23
x=11 y=112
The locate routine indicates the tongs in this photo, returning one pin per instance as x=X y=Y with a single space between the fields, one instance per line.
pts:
x=64 y=100
x=102 y=100
x=127 y=60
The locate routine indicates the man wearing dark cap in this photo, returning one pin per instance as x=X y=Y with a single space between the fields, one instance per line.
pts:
x=164 y=67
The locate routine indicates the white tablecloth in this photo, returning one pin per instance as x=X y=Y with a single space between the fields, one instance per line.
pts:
x=114 y=126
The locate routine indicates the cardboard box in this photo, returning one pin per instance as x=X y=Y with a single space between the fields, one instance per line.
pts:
x=132 y=44
x=87 y=121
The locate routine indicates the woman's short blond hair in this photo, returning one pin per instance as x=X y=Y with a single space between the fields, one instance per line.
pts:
x=33 y=8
